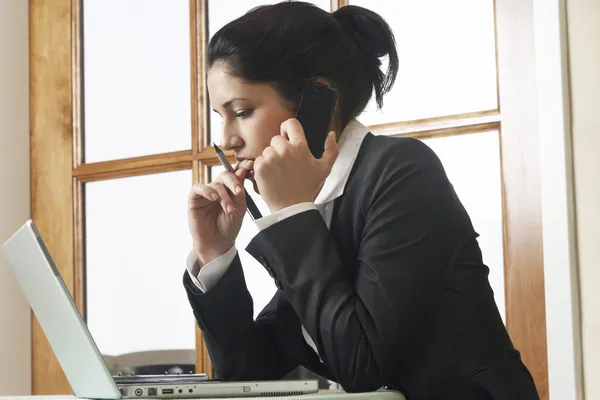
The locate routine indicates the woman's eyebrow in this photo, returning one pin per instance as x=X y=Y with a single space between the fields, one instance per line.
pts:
x=228 y=103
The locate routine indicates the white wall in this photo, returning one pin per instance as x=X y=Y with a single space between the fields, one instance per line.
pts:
x=15 y=316
x=584 y=65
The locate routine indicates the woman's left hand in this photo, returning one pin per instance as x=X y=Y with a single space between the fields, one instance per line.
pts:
x=287 y=173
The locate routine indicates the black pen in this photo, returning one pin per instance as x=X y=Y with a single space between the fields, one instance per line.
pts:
x=252 y=209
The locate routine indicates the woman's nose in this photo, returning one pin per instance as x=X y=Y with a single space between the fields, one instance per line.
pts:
x=230 y=140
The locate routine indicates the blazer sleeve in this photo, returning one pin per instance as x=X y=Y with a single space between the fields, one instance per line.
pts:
x=240 y=348
x=362 y=315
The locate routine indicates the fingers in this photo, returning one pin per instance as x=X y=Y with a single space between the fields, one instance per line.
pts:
x=241 y=173
x=258 y=165
x=294 y=131
x=244 y=169
x=245 y=164
x=330 y=152
x=231 y=181
x=280 y=144
x=226 y=188
x=268 y=154
x=213 y=192
x=226 y=202
x=205 y=191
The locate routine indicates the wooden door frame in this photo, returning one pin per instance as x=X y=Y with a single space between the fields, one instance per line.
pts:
x=52 y=71
x=523 y=247
x=57 y=176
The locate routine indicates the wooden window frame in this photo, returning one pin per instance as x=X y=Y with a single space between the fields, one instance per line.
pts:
x=58 y=174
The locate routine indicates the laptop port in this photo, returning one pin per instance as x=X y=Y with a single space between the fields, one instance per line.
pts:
x=152 y=391
x=167 y=391
x=138 y=392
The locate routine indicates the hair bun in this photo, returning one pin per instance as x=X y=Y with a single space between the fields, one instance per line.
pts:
x=364 y=26
x=375 y=40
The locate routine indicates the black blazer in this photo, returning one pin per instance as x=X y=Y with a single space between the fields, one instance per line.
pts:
x=394 y=294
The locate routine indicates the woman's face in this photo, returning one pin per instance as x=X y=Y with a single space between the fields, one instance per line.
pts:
x=251 y=113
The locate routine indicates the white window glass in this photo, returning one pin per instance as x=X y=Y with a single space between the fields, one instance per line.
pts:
x=472 y=163
x=260 y=284
x=447 y=57
x=137 y=241
x=219 y=14
x=136 y=80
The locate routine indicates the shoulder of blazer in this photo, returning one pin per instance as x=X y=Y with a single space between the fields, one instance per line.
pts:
x=383 y=158
x=393 y=151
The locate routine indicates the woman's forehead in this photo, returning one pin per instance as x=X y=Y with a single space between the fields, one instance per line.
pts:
x=223 y=87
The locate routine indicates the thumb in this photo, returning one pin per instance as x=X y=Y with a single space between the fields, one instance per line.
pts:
x=331 y=151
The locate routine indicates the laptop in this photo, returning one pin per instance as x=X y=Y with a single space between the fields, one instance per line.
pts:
x=78 y=354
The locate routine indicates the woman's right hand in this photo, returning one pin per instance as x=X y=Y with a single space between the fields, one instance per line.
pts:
x=215 y=214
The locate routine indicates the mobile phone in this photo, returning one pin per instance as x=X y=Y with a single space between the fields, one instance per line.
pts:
x=315 y=112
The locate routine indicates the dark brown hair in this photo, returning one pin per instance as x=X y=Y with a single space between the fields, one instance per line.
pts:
x=288 y=43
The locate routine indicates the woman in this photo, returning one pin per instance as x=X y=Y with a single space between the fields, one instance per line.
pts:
x=380 y=278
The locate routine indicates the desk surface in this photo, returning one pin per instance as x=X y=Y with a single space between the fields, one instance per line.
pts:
x=382 y=395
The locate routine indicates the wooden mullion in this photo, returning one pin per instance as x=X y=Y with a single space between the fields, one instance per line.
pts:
x=201 y=18
x=130 y=172
x=335 y=4
x=205 y=170
x=419 y=128
x=497 y=55
x=130 y=166
x=203 y=361
x=199 y=21
x=214 y=162
x=78 y=140
x=195 y=78
x=196 y=175
x=340 y=3
x=436 y=123
x=461 y=130
x=79 y=245
x=209 y=159
x=208 y=154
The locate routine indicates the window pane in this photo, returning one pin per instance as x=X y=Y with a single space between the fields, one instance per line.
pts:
x=219 y=14
x=259 y=283
x=137 y=241
x=447 y=58
x=136 y=62
x=477 y=181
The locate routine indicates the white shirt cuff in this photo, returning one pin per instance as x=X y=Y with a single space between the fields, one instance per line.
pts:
x=271 y=219
x=206 y=277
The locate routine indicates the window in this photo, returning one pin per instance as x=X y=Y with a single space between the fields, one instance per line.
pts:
x=118 y=107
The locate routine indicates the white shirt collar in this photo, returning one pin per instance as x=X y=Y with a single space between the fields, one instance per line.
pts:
x=350 y=141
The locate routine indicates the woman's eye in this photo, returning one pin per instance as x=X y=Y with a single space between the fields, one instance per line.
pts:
x=243 y=114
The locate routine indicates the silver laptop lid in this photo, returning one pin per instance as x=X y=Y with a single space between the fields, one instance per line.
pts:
x=58 y=316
